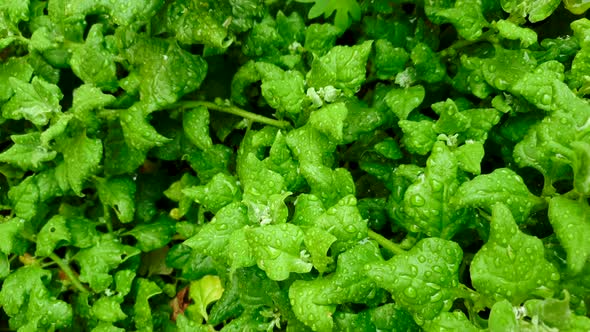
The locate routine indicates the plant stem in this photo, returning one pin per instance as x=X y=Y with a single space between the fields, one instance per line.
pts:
x=451 y=51
x=109 y=114
x=46 y=265
x=113 y=114
x=385 y=243
x=109 y=223
x=235 y=111
x=68 y=271
x=106 y=214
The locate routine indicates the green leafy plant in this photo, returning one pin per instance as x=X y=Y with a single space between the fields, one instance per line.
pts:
x=249 y=165
x=346 y=11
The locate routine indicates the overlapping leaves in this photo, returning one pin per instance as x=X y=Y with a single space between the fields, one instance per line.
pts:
x=258 y=165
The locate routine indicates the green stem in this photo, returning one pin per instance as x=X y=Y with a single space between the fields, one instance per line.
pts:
x=452 y=50
x=548 y=189
x=109 y=114
x=113 y=114
x=109 y=225
x=233 y=110
x=22 y=39
x=68 y=271
x=485 y=215
x=477 y=301
x=46 y=265
x=385 y=243
x=106 y=214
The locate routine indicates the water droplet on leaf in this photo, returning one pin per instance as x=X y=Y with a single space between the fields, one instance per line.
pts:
x=501 y=83
x=351 y=229
x=436 y=185
x=436 y=297
x=410 y=292
x=417 y=200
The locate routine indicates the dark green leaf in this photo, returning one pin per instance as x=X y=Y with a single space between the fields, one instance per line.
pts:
x=119 y=194
x=511 y=265
x=37 y=101
x=97 y=261
x=154 y=235
x=422 y=280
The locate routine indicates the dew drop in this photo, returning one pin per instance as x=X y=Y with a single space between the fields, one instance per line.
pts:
x=410 y=292
x=498 y=262
x=419 y=319
x=417 y=200
x=436 y=297
x=501 y=83
x=436 y=185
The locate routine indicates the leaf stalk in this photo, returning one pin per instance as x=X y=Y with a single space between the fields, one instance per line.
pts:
x=385 y=243
x=68 y=271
